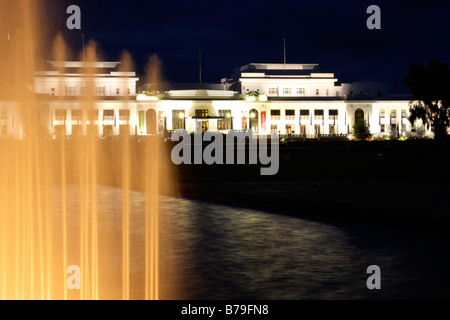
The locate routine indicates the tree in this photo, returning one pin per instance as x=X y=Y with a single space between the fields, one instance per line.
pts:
x=430 y=87
x=361 y=130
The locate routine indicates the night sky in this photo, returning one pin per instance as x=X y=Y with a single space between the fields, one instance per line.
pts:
x=234 y=33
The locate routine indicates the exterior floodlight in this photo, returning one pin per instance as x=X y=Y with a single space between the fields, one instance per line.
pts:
x=228 y=115
x=252 y=115
x=145 y=97
x=262 y=98
x=183 y=116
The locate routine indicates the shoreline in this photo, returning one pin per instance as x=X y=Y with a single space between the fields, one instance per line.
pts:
x=400 y=183
x=316 y=209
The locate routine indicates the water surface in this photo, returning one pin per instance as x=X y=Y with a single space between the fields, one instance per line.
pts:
x=222 y=252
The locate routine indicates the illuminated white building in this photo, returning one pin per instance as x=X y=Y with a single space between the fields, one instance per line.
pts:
x=289 y=99
x=68 y=79
x=278 y=80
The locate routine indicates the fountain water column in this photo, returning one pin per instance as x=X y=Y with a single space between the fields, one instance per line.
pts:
x=126 y=167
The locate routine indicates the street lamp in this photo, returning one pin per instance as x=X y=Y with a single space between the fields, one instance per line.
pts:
x=252 y=116
x=163 y=115
x=230 y=117
x=182 y=116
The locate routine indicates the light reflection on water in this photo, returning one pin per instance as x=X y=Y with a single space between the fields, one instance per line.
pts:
x=223 y=252
x=234 y=253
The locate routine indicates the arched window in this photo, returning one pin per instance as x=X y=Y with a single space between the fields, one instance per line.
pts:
x=254 y=120
x=151 y=121
x=359 y=115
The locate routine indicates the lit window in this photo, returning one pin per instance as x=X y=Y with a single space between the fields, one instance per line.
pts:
x=382 y=114
x=332 y=129
x=303 y=129
x=224 y=123
x=317 y=129
x=290 y=114
x=108 y=115
x=287 y=91
x=275 y=114
x=273 y=91
x=201 y=113
x=70 y=91
x=4 y=123
x=124 y=115
x=60 y=115
x=100 y=91
x=383 y=128
x=117 y=91
x=333 y=115
x=77 y=115
x=177 y=121
x=317 y=92
x=328 y=92
x=290 y=129
x=301 y=91
x=394 y=114
x=404 y=114
x=304 y=115
x=318 y=114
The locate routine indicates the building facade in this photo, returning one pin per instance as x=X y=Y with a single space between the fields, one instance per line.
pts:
x=287 y=99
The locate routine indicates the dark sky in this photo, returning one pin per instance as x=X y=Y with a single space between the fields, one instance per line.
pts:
x=234 y=33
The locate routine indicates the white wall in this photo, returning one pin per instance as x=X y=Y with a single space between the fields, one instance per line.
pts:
x=44 y=85
x=310 y=86
x=238 y=108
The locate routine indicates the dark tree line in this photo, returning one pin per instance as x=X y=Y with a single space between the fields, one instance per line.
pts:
x=430 y=89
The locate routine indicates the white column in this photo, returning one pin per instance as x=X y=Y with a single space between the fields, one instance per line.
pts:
x=69 y=122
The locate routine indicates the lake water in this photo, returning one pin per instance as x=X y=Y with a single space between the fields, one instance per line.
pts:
x=222 y=252
x=232 y=253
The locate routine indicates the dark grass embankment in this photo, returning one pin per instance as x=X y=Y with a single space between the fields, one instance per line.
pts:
x=401 y=183
x=391 y=182
x=336 y=160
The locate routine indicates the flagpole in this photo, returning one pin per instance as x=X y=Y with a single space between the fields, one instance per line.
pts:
x=200 y=64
